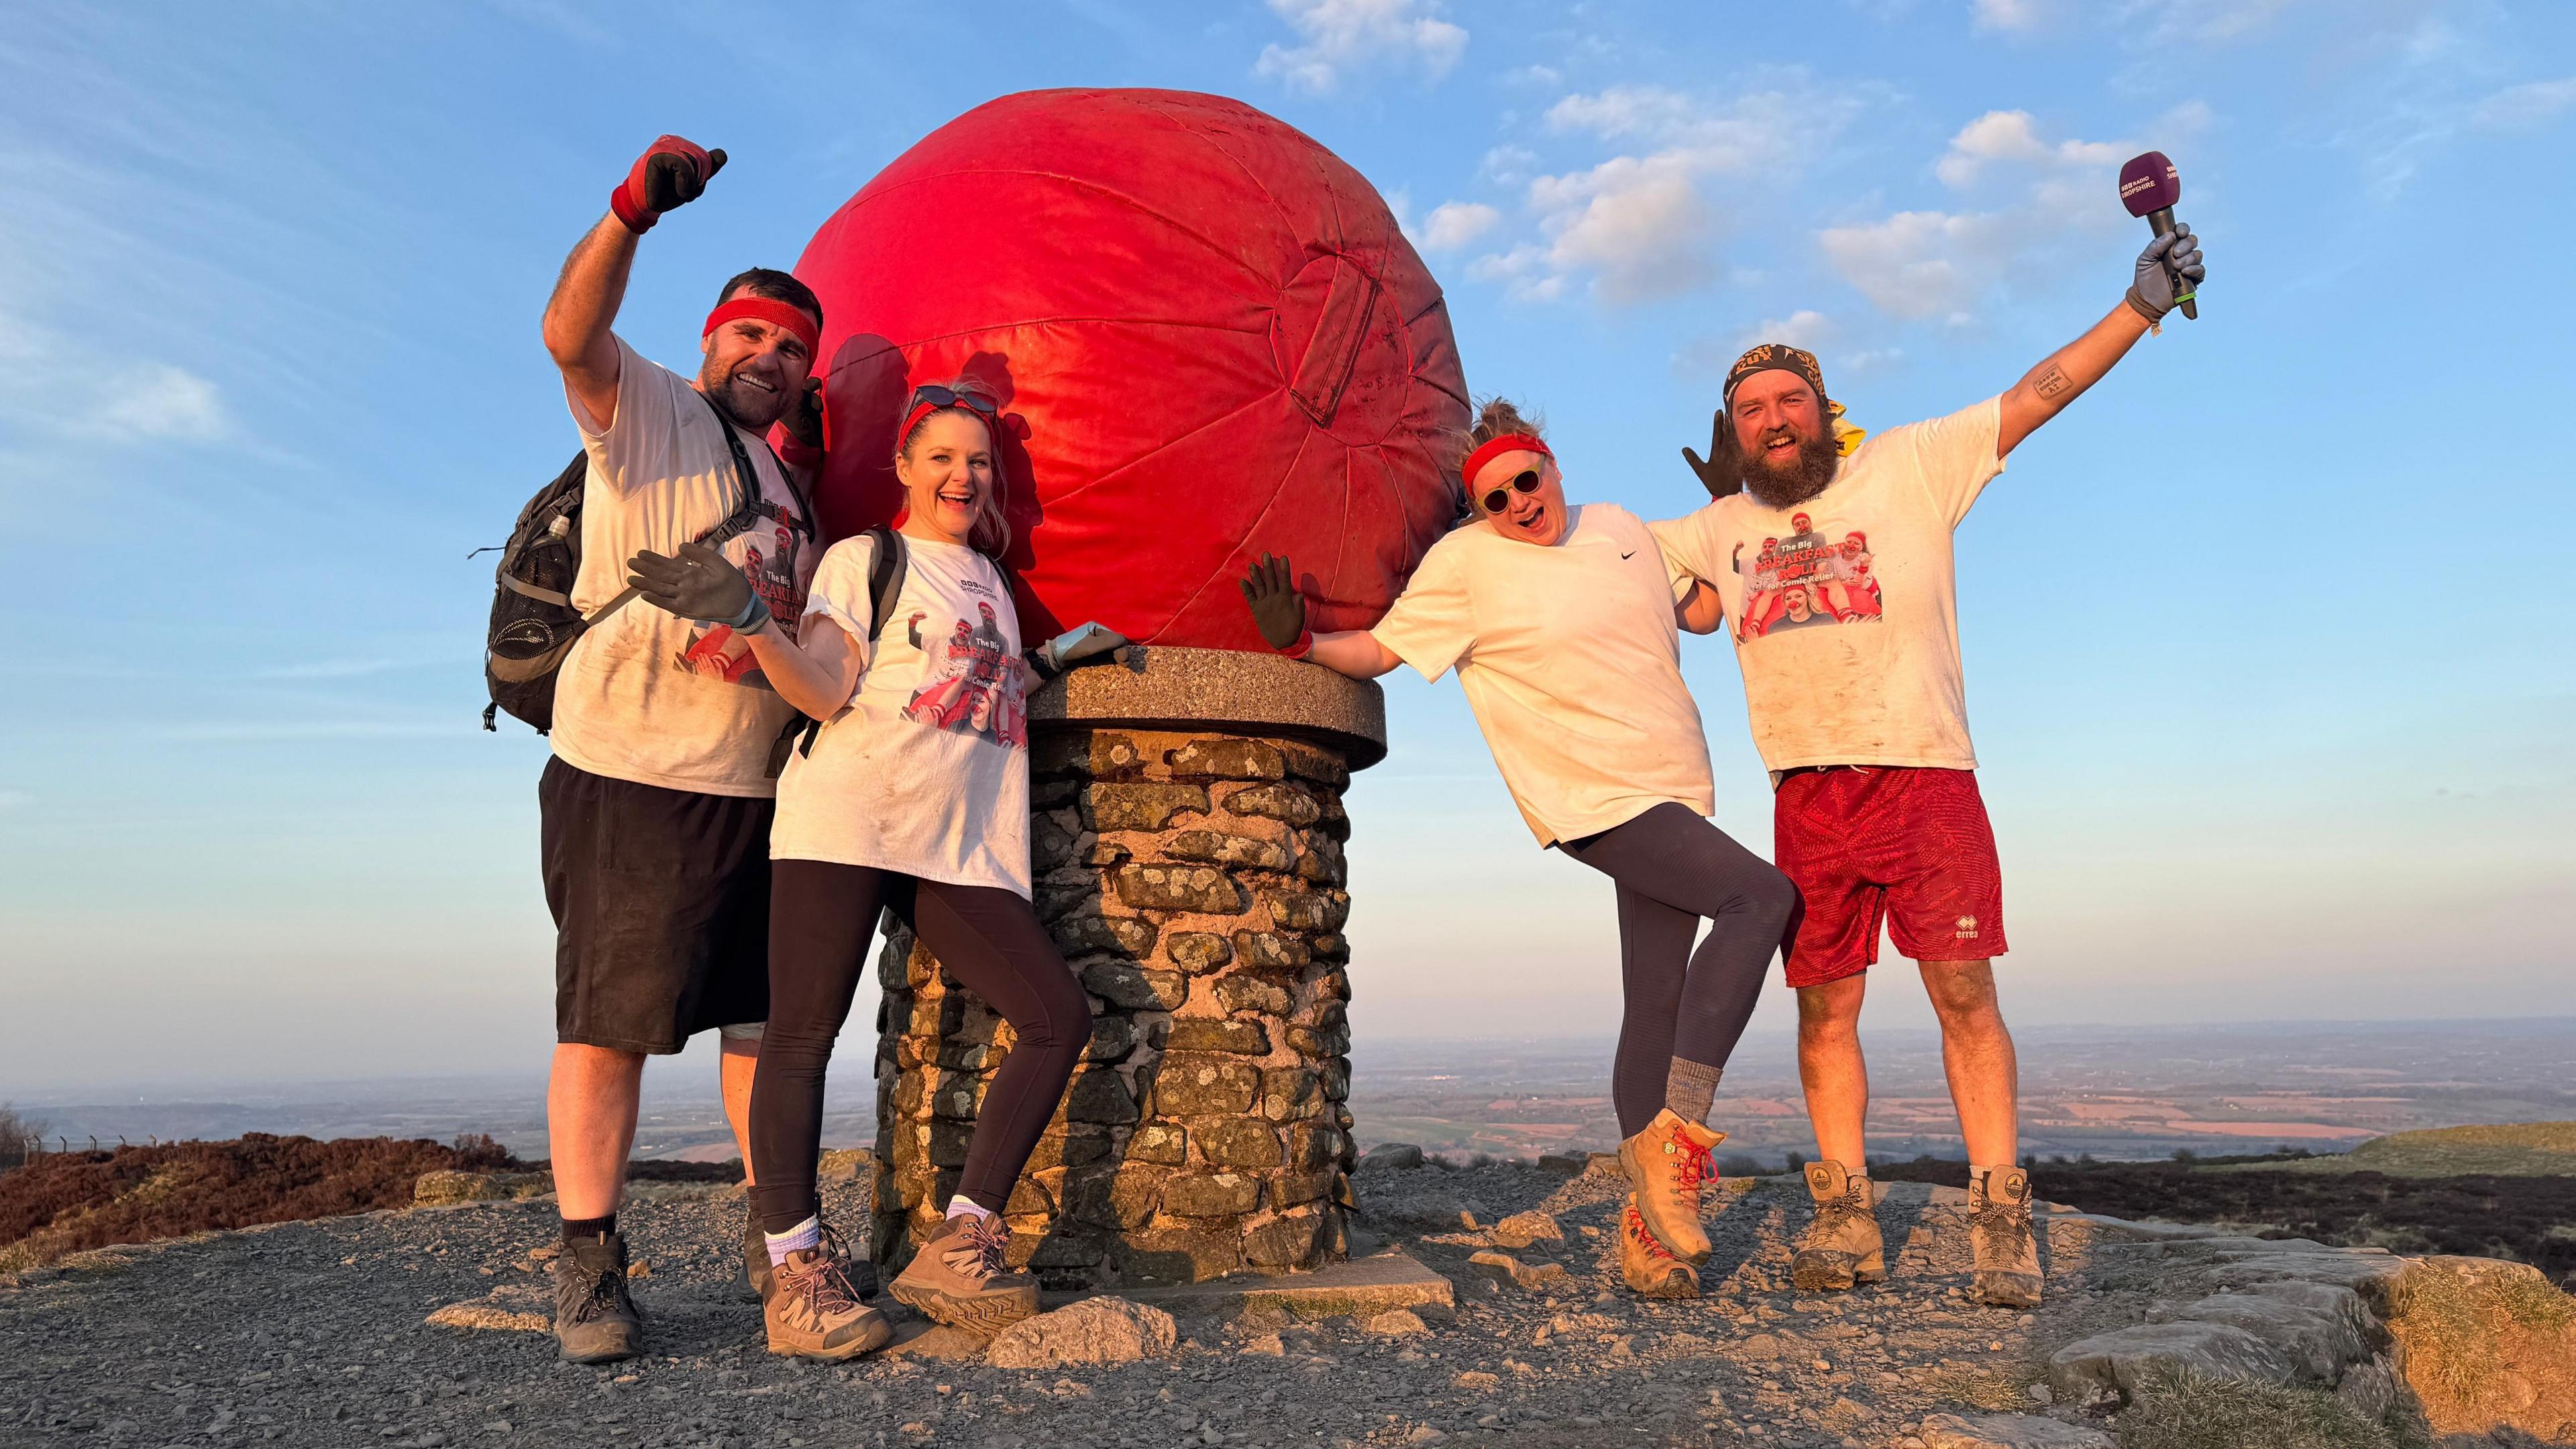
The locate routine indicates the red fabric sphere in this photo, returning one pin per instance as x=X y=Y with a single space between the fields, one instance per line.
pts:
x=1210 y=337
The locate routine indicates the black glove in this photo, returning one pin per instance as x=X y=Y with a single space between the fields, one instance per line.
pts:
x=804 y=421
x=1278 y=610
x=699 y=584
x=1072 y=647
x=671 y=173
x=1708 y=476
x=2169 y=271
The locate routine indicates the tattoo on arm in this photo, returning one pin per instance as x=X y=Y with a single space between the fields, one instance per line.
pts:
x=2052 y=382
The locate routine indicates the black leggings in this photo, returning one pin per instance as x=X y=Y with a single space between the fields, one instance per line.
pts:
x=822 y=920
x=1673 y=868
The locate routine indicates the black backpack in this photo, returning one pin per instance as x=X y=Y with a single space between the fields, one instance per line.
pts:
x=534 y=624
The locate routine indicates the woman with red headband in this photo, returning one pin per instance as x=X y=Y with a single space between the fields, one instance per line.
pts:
x=1561 y=623
x=913 y=794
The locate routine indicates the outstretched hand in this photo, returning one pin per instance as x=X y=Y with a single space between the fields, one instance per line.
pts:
x=672 y=172
x=2169 y=274
x=1278 y=610
x=1710 y=477
x=1077 y=645
x=698 y=584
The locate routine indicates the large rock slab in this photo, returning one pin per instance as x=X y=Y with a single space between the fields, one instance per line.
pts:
x=2120 y=1361
x=1093 y=1331
x=2007 y=1431
x=2321 y=1328
x=2488 y=1345
x=2373 y=1276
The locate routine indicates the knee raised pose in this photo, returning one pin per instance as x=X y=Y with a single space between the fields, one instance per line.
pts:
x=1837 y=573
x=913 y=795
x=1562 y=625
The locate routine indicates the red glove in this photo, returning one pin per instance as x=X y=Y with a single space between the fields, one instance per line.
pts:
x=670 y=174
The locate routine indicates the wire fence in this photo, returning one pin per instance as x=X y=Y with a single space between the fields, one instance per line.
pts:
x=20 y=1151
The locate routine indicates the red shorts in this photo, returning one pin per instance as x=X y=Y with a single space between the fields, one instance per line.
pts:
x=1885 y=843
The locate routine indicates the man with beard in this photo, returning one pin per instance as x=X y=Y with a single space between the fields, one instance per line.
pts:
x=655 y=809
x=1861 y=717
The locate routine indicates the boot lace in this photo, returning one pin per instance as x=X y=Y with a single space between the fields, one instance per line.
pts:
x=1636 y=1225
x=827 y=1294
x=979 y=1248
x=1695 y=1167
x=1846 y=1207
x=2000 y=1227
x=607 y=1295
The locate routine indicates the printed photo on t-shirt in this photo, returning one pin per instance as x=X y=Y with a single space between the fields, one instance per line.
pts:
x=766 y=553
x=968 y=682
x=1808 y=579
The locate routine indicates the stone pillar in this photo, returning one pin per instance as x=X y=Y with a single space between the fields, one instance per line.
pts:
x=1187 y=850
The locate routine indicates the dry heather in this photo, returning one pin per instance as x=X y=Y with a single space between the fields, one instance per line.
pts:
x=75 y=1201
x=2189 y=1411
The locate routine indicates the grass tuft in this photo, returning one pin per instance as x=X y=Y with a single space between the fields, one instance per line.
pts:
x=2187 y=1411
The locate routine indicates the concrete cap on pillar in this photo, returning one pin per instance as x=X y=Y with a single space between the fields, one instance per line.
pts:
x=1156 y=687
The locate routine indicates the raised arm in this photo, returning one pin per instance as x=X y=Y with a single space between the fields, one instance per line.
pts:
x=1279 y=612
x=1701 y=610
x=592 y=284
x=817 y=676
x=2063 y=376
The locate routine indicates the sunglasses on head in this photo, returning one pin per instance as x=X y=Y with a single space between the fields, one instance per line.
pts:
x=943 y=397
x=1496 y=499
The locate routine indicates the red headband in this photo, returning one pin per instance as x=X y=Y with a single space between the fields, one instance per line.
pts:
x=783 y=315
x=1507 y=443
x=912 y=420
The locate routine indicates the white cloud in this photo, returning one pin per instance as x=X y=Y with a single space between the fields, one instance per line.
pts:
x=1640 y=225
x=1919 y=264
x=1453 y=224
x=1341 y=35
x=1806 y=328
x=60 y=384
x=2012 y=16
x=2008 y=137
x=1510 y=165
x=2516 y=107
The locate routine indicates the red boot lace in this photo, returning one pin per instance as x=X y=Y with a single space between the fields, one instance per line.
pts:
x=1636 y=1225
x=1696 y=1168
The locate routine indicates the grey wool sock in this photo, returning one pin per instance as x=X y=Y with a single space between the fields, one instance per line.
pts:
x=1689 y=1087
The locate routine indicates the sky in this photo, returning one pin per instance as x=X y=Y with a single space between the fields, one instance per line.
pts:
x=2270 y=704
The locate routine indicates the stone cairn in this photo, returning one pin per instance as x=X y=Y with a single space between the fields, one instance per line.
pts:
x=1187 y=858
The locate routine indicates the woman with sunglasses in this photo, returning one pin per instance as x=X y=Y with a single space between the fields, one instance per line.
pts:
x=925 y=811
x=1562 y=624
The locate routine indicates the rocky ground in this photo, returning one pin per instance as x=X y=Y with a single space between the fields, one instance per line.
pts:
x=319 y=1333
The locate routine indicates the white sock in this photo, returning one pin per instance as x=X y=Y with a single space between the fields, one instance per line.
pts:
x=962 y=1206
x=807 y=1235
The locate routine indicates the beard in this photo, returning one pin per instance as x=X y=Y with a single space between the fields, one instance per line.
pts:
x=747 y=403
x=1787 y=486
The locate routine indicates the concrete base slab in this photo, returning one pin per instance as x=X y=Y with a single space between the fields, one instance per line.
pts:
x=1376 y=1284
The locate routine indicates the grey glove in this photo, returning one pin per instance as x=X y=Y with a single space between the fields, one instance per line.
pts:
x=699 y=584
x=1072 y=647
x=1278 y=610
x=2169 y=274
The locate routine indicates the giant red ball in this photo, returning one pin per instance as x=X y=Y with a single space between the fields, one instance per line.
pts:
x=1210 y=335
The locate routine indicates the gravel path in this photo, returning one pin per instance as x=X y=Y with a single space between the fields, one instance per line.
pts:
x=313 y=1333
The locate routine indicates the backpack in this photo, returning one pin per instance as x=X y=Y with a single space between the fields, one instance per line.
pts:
x=887 y=566
x=534 y=624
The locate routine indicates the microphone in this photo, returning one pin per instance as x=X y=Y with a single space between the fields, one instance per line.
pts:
x=2149 y=187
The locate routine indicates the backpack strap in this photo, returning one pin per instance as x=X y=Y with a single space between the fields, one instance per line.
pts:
x=889 y=563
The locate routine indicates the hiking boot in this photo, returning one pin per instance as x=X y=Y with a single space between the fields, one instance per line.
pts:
x=1666 y=1164
x=755 y=1257
x=595 y=1320
x=2007 y=1255
x=1650 y=1268
x=959 y=1277
x=1842 y=1246
x=811 y=1311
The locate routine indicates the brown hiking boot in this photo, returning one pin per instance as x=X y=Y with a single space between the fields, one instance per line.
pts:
x=959 y=1277
x=595 y=1320
x=755 y=1256
x=2007 y=1254
x=1666 y=1164
x=1650 y=1268
x=1842 y=1246
x=812 y=1311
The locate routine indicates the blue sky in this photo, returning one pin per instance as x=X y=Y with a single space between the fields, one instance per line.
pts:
x=2266 y=670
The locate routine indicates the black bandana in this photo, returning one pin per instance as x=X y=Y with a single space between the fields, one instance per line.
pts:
x=1775 y=357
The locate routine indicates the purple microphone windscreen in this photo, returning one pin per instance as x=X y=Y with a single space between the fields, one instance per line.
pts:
x=2149 y=183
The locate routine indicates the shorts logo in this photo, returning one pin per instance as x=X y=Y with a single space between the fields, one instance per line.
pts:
x=1967 y=928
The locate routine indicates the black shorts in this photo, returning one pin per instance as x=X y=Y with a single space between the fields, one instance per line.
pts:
x=661 y=907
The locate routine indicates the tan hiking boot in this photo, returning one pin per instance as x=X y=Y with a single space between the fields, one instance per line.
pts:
x=755 y=1257
x=811 y=1311
x=1650 y=1268
x=2007 y=1253
x=1666 y=1164
x=1842 y=1246
x=959 y=1277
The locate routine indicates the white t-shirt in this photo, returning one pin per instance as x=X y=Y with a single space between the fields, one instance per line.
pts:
x=645 y=696
x=1572 y=663
x=926 y=770
x=1845 y=609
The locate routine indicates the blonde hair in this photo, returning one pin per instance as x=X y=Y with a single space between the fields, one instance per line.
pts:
x=1496 y=417
x=990 y=534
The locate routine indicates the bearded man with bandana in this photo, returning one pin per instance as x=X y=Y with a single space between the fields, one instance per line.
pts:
x=1861 y=716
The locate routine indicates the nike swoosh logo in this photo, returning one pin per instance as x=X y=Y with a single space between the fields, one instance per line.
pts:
x=1632 y=553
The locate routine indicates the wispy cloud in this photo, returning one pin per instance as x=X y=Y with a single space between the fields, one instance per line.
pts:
x=1340 y=36
x=2524 y=106
x=71 y=387
x=1453 y=224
